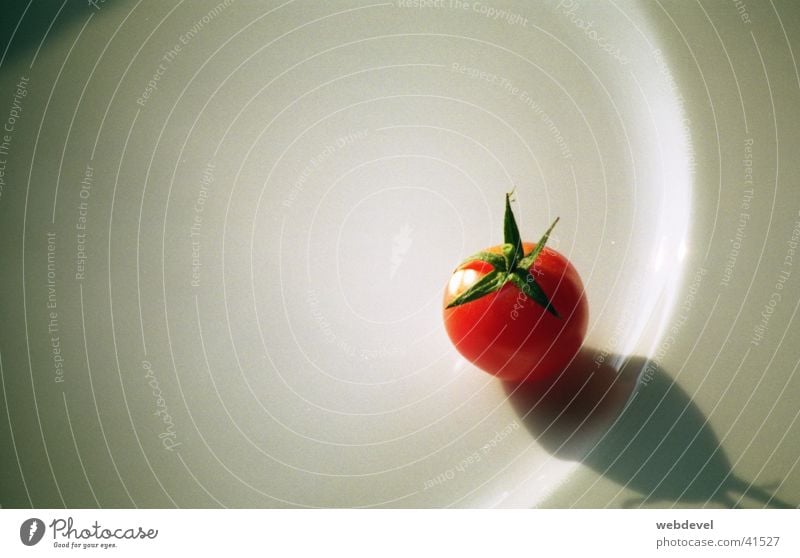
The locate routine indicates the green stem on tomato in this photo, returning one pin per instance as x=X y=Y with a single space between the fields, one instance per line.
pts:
x=513 y=266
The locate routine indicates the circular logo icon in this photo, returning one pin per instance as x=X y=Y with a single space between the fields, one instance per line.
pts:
x=31 y=531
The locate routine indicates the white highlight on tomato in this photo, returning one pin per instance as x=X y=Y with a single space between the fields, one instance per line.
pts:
x=462 y=280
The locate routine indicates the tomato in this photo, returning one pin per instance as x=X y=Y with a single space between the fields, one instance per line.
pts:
x=517 y=312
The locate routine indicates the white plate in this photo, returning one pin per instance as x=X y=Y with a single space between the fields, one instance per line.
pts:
x=278 y=194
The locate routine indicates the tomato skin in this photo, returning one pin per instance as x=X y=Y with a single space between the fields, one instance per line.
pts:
x=509 y=335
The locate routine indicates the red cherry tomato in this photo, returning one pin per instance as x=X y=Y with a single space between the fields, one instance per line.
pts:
x=506 y=332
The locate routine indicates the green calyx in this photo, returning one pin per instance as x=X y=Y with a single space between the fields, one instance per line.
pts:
x=512 y=266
